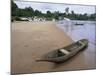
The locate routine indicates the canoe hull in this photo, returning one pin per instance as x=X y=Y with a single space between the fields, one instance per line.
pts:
x=74 y=48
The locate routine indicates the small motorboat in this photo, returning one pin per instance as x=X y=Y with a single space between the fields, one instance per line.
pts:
x=61 y=55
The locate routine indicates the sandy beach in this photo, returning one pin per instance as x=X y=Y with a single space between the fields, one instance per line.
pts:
x=30 y=40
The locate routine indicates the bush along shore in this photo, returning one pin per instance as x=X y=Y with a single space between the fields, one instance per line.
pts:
x=29 y=14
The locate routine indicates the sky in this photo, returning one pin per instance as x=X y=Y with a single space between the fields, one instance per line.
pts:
x=79 y=9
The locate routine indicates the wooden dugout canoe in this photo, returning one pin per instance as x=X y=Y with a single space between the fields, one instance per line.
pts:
x=61 y=55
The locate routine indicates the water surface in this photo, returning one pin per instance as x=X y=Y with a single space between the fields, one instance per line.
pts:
x=77 y=32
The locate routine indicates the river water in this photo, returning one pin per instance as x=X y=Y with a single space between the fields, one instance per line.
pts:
x=77 y=32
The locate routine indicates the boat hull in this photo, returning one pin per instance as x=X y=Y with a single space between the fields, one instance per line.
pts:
x=74 y=48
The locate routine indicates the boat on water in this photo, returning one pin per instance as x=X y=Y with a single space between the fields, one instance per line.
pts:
x=61 y=55
x=79 y=24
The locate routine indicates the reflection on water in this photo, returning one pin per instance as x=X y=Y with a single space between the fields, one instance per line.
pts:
x=76 y=32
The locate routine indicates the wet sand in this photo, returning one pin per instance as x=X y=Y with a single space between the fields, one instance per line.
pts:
x=30 y=40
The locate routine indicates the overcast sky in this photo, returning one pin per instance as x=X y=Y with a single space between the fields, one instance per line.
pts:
x=80 y=9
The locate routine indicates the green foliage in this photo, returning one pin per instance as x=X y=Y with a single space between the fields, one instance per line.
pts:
x=14 y=7
x=37 y=13
x=29 y=12
x=92 y=16
x=17 y=18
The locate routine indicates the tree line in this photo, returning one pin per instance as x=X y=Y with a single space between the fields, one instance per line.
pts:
x=30 y=12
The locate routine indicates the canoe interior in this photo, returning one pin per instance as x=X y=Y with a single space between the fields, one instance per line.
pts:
x=70 y=48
